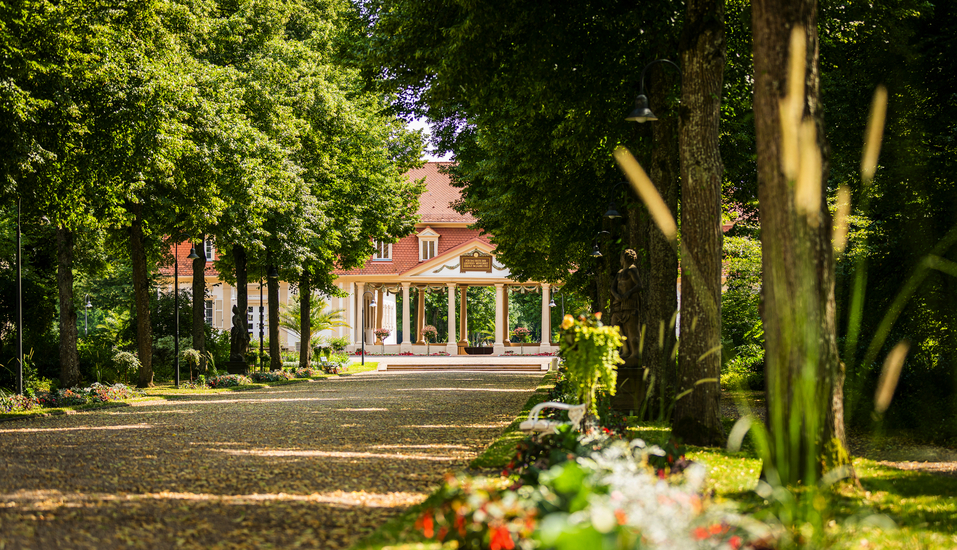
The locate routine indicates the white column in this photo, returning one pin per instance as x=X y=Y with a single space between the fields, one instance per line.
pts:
x=452 y=347
x=359 y=306
x=546 y=319
x=406 y=346
x=499 y=347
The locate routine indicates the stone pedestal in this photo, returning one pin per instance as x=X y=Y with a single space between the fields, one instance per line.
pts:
x=237 y=367
x=629 y=390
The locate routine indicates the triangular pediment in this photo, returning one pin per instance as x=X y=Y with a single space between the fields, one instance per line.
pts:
x=449 y=266
x=427 y=232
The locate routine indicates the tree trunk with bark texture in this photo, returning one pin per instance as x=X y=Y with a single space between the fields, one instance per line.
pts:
x=305 y=320
x=275 y=355
x=199 y=304
x=661 y=294
x=141 y=292
x=697 y=413
x=69 y=357
x=798 y=306
x=242 y=298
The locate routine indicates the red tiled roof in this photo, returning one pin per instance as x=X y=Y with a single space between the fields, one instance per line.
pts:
x=181 y=251
x=434 y=205
x=405 y=253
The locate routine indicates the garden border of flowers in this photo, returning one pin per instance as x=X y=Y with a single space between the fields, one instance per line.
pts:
x=489 y=460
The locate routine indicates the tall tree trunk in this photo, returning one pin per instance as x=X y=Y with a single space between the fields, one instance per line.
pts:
x=141 y=292
x=69 y=358
x=238 y=345
x=804 y=375
x=661 y=293
x=696 y=418
x=275 y=355
x=199 y=304
x=305 y=320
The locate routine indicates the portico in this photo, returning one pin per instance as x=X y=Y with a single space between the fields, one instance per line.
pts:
x=452 y=273
x=446 y=255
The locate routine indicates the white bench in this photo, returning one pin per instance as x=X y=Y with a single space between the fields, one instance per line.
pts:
x=535 y=425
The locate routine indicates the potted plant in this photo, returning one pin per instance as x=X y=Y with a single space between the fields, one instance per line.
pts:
x=381 y=334
x=590 y=350
x=521 y=334
x=429 y=332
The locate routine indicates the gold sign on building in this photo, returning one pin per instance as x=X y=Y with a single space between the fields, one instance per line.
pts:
x=475 y=262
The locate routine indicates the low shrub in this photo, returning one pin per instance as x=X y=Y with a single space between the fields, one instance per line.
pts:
x=67 y=397
x=603 y=493
x=309 y=372
x=746 y=369
x=271 y=376
x=228 y=381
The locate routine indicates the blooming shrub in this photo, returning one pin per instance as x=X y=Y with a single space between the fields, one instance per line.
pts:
x=521 y=333
x=271 y=376
x=17 y=403
x=308 y=372
x=382 y=333
x=69 y=397
x=228 y=381
x=594 y=491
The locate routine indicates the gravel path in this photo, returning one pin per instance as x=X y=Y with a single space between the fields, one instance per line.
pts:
x=311 y=465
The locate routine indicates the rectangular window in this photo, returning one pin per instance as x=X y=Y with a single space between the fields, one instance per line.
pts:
x=383 y=251
x=210 y=250
x=428 y=249
x=209 y=312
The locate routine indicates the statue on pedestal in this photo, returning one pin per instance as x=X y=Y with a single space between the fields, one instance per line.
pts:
x=625 y=307
x=238 y=337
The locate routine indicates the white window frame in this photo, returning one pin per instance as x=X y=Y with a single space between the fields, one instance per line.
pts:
x=383 y=252
x=208 y=308
x=210 y=249
x=428 y=244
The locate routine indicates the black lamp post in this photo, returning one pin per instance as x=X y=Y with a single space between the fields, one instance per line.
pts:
x=273 y=274
x=86 y=311
x=19 y=309
x=261 y=318
x=641 y=112
x=192 y=256
x=372 y=304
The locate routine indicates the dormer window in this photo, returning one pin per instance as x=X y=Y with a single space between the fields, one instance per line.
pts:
x=383 y=251
x=428 y=244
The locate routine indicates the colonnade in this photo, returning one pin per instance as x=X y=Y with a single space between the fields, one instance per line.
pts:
x=457 y=332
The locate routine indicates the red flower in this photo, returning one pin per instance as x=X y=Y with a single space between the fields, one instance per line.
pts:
x=501 y=539
x=735 y=542
x=428 y=526
x=460 y=525
x=700 y=533
x=621 y=517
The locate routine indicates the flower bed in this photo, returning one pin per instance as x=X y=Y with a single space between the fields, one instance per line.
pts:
x=589 y=491
x=228 y=381
x=68 y=397
x=271 y=376
x=309 y=372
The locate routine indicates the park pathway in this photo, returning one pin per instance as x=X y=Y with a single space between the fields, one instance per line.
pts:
x=310 y=465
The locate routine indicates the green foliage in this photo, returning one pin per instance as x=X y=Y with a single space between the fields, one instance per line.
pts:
x=321 y=317
x=590 y=352
x=271 y=376
x=127 y=364
x=742 y=331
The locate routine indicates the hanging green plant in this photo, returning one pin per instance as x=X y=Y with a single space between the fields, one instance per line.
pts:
x=590 y=351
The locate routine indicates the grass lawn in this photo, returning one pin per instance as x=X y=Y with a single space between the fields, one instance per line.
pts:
x=891 y=509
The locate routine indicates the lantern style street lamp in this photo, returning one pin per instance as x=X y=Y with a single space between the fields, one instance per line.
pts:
x=86 y=311
x=372 y=304
x=192 y=256
x=641 y=112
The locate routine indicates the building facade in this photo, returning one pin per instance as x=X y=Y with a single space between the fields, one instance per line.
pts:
x=444 y=254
